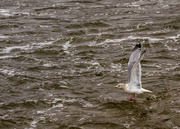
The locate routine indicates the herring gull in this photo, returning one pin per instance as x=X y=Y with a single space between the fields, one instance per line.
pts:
x=134 y=85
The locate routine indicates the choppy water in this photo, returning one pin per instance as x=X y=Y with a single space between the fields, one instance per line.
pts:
x=61 y=58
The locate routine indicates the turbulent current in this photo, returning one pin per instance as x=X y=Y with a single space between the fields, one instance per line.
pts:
x=61 y=58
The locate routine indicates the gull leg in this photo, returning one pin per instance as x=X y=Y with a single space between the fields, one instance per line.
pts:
x=135 y=98
x=131 y=98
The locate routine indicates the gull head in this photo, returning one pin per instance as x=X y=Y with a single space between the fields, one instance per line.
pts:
x=120 y=86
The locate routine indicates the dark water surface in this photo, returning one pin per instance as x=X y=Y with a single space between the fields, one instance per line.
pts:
x=61 y=58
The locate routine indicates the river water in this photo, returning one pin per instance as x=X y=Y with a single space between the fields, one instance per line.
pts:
x=61 y=58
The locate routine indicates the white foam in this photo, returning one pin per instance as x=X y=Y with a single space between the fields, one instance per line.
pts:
x=6 y=57
x=1 y=104
x=9 y=72
x=64 y=100
x=170 y=66
x=64 y=87
x=57 y=100
x=41 y=112
x=175 y=38
x=95 y=63
x=66 y=46
x=134 y=5
x=42 y=44
x=49 y=65
x=4 y=117
x=9 y=49
x=126 y=125
x=150 y=39
x=81 y=119
x=116 y=67
x=33 y=123
x=30 y=100
x=42 y=118
x=69 y=100
x=99 y=84
x=5 y=12
x=132 y=38
x=3 y=37
x=60 y=105
x=144 y=24
x=88 y=105
x=26 y=47
x=20 y=13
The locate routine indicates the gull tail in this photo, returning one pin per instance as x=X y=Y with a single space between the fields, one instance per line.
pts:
x=145 y=90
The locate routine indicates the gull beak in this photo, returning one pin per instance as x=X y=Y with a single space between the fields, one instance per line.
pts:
x=115 y=86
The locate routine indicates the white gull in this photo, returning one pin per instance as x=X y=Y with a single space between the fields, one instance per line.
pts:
x=134 y=85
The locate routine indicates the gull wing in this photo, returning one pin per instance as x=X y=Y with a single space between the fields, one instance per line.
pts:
x=133 y=59
x=134 y=67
